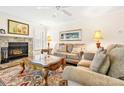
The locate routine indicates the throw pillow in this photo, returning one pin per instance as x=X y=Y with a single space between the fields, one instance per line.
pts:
x=105 y=66
x=97 y=61
x=76 y=50
x=100 y=49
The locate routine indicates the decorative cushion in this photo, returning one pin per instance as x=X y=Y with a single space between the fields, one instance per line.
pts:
x=97 y=61
x=76 y=50
x=105 y=66
x=84 y=63
x=117 y=62
x=100 y=49
x=88 y=56
x=69 y=48
x=62 y=48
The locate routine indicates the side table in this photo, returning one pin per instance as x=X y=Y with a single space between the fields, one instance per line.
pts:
x=48 y=51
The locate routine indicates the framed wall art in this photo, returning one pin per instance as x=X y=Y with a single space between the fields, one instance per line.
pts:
x=15 y=27
x=71 y=35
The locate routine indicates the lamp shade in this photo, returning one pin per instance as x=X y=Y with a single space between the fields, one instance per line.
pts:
x=49 y=38
x=98 y=36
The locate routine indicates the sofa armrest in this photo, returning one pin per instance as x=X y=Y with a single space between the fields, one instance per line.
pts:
x=84 y=76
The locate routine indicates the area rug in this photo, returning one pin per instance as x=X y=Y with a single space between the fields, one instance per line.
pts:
x=10 y=77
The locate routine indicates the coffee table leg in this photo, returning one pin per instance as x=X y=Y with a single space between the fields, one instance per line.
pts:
x=63 y=63
x=23 y=67
x=46 y=77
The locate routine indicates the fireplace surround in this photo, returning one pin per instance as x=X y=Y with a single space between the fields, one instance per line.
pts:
x=15 y=50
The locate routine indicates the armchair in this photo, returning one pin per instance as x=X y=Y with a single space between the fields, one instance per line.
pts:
x=84 y=76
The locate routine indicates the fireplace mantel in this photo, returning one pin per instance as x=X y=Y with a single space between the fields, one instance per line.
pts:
x=12 y=35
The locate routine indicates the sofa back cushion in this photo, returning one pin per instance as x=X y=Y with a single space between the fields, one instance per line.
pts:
x=73 y=56
x=112 y=46
x=62 y=48
x=76 y=50
x=117 y=62
x=88 y=56
x=69 y=48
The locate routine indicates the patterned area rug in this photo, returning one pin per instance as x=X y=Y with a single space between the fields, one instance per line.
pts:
x=10 y=77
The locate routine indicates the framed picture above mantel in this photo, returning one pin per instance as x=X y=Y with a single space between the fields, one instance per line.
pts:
x=71 y=35
x=19 y=28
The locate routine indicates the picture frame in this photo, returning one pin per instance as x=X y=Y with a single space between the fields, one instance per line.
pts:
x=16 y=27
x=71 y=35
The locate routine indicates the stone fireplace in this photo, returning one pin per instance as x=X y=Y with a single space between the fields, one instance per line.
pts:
x=15 y=47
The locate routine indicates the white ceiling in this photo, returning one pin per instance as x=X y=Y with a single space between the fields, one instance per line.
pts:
x=44 y=14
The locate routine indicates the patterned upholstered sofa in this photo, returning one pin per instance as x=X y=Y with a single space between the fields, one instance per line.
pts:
x=71 y=52
x=85 y=76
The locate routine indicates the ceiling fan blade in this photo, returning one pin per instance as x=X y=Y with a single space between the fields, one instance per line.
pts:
x=66 y=12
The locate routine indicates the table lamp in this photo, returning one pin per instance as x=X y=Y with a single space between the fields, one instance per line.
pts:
x=49 y=39
x=98 y=36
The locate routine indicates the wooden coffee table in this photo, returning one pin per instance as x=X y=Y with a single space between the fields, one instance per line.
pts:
x=47 y=63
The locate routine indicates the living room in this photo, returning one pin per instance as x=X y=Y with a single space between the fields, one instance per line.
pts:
x=61 y=45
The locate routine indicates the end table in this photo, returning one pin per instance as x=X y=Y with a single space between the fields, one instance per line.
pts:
x=46 y=50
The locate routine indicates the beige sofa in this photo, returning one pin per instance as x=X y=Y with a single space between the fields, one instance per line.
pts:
x=84 y=76
x=71 y=52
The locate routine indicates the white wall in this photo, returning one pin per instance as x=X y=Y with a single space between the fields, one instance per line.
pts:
x=33 y=27
x=111 y=25
x=4 y=22
x=54 y=33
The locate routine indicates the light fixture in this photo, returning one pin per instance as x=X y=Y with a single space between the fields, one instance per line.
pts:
x=49 y=39
x=98 y=37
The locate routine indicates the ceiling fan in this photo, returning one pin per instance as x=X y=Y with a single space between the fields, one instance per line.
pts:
x=61 y=9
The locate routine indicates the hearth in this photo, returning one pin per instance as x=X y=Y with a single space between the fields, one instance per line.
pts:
x=17 y=50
